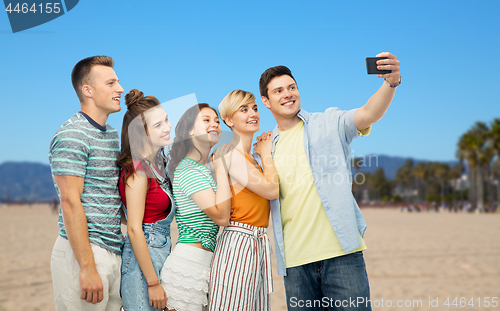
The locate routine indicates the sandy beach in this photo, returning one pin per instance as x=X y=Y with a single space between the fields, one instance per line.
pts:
x=415 y=261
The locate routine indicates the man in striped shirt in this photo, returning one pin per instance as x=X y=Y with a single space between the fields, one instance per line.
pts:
x=86 y=258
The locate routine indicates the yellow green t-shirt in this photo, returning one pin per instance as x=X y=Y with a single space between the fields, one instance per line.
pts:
x=308 y=234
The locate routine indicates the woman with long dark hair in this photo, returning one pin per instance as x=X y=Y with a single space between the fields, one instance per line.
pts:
x=202 y=205
x=146 y=194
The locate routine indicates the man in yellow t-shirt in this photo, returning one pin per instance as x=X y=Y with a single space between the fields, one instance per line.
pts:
x=317 y=224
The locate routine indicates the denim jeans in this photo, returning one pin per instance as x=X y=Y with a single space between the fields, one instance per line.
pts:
x=338 y=283
x=134 y=288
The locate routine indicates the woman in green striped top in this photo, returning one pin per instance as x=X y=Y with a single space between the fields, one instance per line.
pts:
x=203 y=204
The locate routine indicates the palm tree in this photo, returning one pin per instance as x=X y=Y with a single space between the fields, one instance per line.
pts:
x=473 y=148
x=404 y=176
x=466 y=152
x=483 y=154
x=495 y=144
x=495 y=167
x=434 y=182
x=421 y=173
x=455 y=176
x=441 y=173
x=485 y=159
x=379 y=185
x=357 y=189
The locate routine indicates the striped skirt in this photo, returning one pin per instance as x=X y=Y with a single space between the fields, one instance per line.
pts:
x=241 y=277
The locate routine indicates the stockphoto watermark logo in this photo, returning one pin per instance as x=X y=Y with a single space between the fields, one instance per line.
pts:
x=28 y=14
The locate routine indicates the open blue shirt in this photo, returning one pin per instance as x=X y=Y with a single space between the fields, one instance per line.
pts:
x=327 y=139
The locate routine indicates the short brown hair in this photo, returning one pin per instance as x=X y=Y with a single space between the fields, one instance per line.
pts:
x=270 y=74
x=81 y=72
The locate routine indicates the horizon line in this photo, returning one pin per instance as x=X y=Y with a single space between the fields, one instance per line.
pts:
x=352 y=158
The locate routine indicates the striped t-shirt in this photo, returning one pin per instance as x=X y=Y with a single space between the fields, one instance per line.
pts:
x=193 y=224
x=81 y=147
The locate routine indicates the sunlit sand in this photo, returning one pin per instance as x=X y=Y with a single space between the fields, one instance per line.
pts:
x=412 y=259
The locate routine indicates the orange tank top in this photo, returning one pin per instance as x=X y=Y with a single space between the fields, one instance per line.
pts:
x=248 y=207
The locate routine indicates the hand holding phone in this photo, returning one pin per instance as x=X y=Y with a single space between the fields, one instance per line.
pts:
x=371 y=66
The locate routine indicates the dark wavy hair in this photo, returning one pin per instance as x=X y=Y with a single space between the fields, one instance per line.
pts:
x=183 y=144
x=135 y=133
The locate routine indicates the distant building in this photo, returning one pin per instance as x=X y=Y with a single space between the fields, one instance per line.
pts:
x=460 y=184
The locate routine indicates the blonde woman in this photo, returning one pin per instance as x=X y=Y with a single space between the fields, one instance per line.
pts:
x=240 y=276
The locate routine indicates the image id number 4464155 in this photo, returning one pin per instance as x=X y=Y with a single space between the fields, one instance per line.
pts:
x=472 y=302
x=21 y=8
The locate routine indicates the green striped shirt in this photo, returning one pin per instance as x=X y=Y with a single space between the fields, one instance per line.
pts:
x=193 y=224
x=83 y=148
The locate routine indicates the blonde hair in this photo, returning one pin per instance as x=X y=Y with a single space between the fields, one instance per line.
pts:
x=233 y=101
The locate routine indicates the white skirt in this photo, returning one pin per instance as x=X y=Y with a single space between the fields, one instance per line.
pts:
x=185 y=275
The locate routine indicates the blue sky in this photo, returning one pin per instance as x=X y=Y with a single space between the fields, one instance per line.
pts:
x=449 y=53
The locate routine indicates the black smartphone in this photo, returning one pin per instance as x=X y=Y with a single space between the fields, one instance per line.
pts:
x=371 y=66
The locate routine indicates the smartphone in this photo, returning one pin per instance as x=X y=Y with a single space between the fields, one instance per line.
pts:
x=371 y=66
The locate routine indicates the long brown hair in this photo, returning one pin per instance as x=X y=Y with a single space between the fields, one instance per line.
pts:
x=183 y=144
x=134 y=134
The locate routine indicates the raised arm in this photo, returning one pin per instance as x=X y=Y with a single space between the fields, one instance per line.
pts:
x=217 y=206
x=75 y=223
x=377 y=105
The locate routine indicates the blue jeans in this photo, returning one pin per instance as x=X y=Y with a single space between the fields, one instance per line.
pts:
x=134 y=287
x=338 y=283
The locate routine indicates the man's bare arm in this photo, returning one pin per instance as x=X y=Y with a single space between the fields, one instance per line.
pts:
x=75 y=223
x=377 y=105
